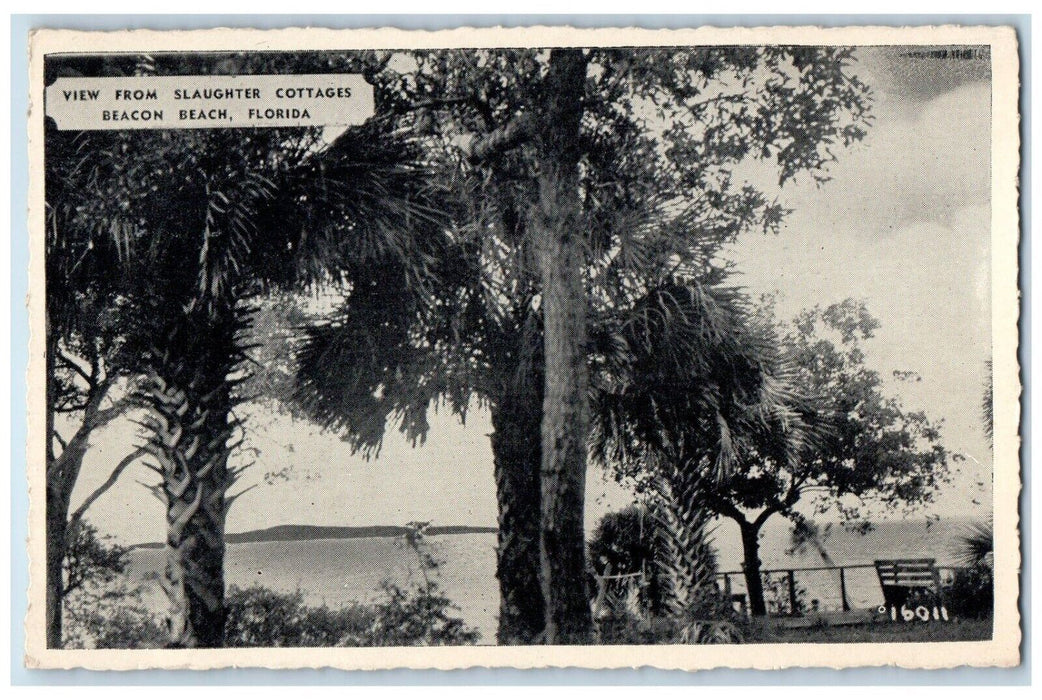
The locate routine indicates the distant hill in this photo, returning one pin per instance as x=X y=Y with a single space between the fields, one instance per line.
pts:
x=290 y=533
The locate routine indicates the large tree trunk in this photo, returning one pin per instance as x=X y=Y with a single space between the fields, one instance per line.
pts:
x=62 y=472
x=516 y=452
x=56 y=518
x=190 y=393
x=56 y=510
x=751 y=567
x=565 y=407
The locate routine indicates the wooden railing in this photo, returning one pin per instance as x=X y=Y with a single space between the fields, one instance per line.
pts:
x=790 y=577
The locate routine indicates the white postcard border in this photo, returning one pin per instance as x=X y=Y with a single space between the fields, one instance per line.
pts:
x=1002 y=650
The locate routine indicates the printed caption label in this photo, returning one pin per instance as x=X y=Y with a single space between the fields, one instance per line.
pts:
x=208 y=102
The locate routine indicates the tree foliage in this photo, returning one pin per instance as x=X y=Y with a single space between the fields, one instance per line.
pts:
x=814 y=421
x=431 y=317
x=872 y=451
x=857 y=445
x=660 y=133
x=187 y=225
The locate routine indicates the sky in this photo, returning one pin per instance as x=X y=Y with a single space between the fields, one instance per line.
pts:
x=904 y=224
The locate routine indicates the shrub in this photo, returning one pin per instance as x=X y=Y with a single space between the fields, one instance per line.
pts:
x=101 y=609
x=91 y=559
x=418 y=617
x=260 y=617
x=776 y=595
x=626 y=541
x=623 y=627
x=711 y=623
x=971 y=592
x=113 y=617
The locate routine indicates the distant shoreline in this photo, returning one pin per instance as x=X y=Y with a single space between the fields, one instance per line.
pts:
x=293 y=533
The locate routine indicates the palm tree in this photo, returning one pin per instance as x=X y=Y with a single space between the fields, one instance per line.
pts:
x=194 y=223
x=474 y=344
x=525 y=134
x=704 y=385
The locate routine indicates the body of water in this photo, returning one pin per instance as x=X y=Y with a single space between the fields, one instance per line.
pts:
x=336 y=572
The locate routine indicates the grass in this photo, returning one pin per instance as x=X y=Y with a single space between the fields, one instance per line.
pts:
x=959 y=630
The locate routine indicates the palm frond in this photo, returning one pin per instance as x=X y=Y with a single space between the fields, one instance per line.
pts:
x=975 y=545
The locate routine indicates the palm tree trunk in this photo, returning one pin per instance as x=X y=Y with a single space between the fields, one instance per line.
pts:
x=517 y=458
x=190 y=393
x=565 y=404
x=751 y=567
x=685 y=556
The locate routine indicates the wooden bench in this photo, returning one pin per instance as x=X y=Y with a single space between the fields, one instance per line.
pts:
x=899 y=578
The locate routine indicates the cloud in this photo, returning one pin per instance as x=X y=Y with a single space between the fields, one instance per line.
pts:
x=904 y=224
x=922 y=72
x=916 y=165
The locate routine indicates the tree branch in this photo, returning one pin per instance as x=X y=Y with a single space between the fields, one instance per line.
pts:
x=440 y=102
x=767 y=512
x=518 y=130
x=66 y=467
x=71 y=363
x=59 y=439
x=103 y=417
x=108 y=483
x=794 y=493
x=71 y=407
x=726 y=508
x=481 y=106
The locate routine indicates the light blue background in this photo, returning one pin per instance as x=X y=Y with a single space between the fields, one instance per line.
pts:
x=20 y=27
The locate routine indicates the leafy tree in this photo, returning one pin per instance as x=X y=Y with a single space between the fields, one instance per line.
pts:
x=837 y=437
x=89 y=384
x=586 y=178
x=189 y=225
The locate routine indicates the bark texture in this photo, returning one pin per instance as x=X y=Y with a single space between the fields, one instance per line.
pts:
x=63 y=470
x=751 y=567
x=685 y=557
x=516 y=452
x=565 y=425
x=190 y=394
x=56 y=514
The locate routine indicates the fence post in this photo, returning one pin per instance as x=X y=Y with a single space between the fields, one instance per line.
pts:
x=727 y=587
x=792 y=593
x=843 y=588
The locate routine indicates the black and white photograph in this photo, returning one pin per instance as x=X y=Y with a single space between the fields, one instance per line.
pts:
x=375 y=350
